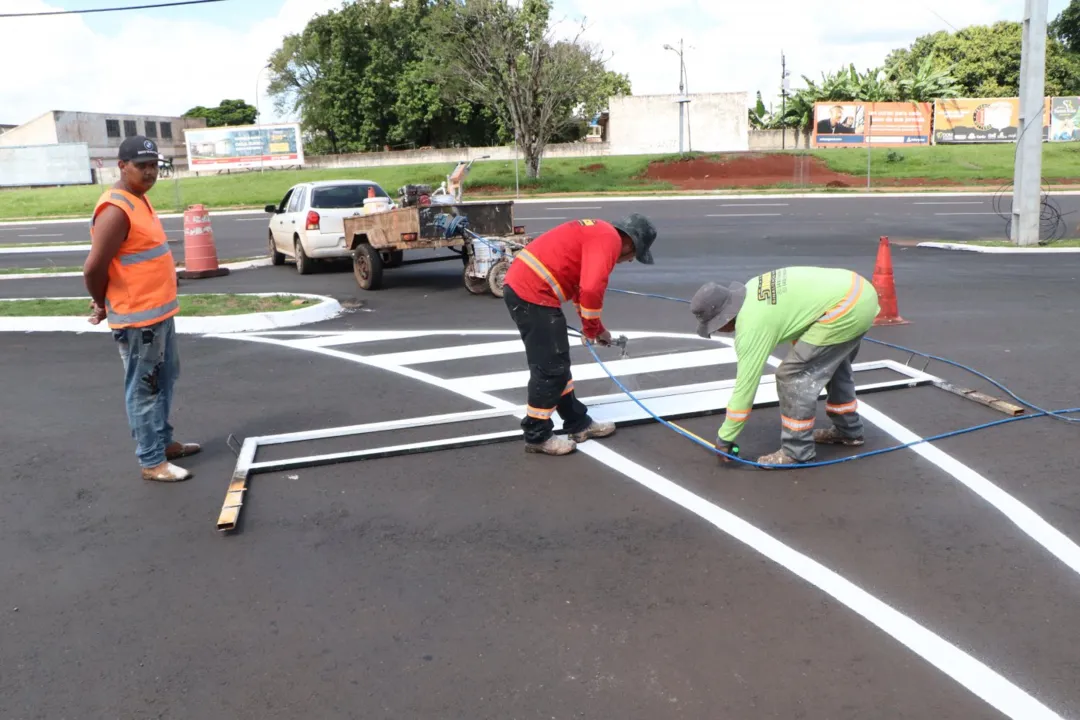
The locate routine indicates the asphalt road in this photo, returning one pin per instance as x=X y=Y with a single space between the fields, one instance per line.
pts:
x=483 y=583
x=796 y=219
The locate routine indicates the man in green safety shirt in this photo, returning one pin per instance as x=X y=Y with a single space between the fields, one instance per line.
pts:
x=824 y=313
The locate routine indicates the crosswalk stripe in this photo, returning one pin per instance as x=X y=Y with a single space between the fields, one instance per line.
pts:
x=619 y=368
x=453 y=352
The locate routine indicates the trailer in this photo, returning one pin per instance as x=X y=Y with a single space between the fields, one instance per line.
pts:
x=481 y=235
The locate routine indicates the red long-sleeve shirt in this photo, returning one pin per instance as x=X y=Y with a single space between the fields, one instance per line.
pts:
x=571 y=262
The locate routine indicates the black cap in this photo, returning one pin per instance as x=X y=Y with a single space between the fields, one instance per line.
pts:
x=136 y=148
x=641 y=232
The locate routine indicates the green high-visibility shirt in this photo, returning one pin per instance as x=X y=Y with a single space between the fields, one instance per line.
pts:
x=820 y=306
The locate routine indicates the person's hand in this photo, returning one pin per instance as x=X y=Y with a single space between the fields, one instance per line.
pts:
x=726 y=447
x=97 y=313
x=604 y=338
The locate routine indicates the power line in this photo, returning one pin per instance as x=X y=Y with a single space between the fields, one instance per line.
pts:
x=108 y=9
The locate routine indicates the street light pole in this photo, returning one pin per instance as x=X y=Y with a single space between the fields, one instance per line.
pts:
x=682 y=90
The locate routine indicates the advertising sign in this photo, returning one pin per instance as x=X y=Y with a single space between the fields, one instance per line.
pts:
x=1064 y=119
x=850 y=124
x=981 y=120
x=242 y=147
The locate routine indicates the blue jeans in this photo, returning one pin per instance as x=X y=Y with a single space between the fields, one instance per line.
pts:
x=151 y=367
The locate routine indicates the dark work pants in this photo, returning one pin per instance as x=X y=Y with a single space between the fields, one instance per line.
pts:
x=551 y=386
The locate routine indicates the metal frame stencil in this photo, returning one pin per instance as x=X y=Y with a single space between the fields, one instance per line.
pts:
x=670 y=403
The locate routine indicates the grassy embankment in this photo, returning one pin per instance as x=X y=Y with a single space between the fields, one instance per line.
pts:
x=190 y=305
x=978 y=165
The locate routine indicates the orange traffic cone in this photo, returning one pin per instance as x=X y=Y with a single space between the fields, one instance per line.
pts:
x=200 y=253
x=886 y=287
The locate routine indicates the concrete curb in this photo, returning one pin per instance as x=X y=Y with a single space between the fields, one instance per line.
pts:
x=327 y=309
x=996 y=250
x=241 y=265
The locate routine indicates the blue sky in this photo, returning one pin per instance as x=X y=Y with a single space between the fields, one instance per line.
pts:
x=88 y=62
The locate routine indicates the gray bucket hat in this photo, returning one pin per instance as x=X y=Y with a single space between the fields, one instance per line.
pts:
x=715 y=305
x=641 y=232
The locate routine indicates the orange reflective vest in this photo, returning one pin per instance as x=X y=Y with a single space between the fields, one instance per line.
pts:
x=142 y=276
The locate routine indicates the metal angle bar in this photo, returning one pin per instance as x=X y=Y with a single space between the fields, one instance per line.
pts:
x=234 y=496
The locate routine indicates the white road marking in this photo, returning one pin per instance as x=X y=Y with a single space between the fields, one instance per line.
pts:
x=727 y=205
x=43 y=235
x=966 y=670
x=35 y=249
x=585 y=207
x=951 y=660
x=248 y=219
x=742 y=215
x=951 y=202
x=539 y=218
x=453 y=352
x=592 y=371
x=967 y=213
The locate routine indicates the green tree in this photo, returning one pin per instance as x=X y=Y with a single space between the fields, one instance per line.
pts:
x=1065 y=28
x=985 y=60
x=504 y=57
x=228 y=112
x=356 y=77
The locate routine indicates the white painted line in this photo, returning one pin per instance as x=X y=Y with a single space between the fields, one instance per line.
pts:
x=540 y=218
x=453 y=352
x=34 y=249
x=249 y=219
x=727 y=205
x=954 y=662
x=742 y=215
x=953 y=202
x=1021 y=515
x=951 y=660
x=997 y=250
x=968 y=213
x=43 y=235
x=165 y=216
x=586 y=207
x=592 y=371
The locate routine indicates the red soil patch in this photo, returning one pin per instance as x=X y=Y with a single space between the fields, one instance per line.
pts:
x=756 y=170
x=595 y=167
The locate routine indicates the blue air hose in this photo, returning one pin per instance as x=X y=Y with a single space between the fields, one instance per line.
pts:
x=1059 y=414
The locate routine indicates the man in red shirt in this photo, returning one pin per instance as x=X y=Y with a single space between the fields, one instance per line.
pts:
x=570 y=263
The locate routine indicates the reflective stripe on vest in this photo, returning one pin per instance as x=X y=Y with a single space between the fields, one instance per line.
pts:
x=141 y=315
x=540 y=269
x=139 y=257
x=845 y=305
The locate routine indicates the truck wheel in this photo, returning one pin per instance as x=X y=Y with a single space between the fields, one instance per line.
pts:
x=367 y=267
x=497 y=277
x=475 y=285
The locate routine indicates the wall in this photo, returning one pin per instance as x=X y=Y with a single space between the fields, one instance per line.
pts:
x=448 y=156
x=778 y=139
x=39 y=131
x=649 y=124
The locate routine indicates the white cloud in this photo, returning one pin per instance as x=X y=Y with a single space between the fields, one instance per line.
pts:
x=146 y=65
x=735 y=46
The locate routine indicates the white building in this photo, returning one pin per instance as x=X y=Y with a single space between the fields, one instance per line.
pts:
x=104 y=132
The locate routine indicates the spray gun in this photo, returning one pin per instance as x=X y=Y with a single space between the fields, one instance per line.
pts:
x=620 y=342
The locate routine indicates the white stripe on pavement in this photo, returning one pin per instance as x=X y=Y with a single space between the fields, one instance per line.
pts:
x=954 y=202
x=741 y=215
x=33 y=249
x=969 y=213
x=43 y=235
x=727 y=205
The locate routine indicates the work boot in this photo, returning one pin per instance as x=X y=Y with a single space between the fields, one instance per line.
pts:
x=554 y=445
x=595 y=430
x=176 y=450
x=777 y=458
x=833 y=436
x=166 y=472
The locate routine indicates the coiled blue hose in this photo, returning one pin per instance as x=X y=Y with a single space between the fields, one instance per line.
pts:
x=1039 y=412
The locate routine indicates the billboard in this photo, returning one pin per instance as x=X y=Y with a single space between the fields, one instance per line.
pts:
x=60 y=164
x=885 y=124
x=981 y=120
x=1064 y=119
x=244 y=147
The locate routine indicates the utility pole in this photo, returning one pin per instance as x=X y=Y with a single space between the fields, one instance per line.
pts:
x=682 y=91
x=1027 y=173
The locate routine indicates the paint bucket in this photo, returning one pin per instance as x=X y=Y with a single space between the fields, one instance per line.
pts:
x=376 y=205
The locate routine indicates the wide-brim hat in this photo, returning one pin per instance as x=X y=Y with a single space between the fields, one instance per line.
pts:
x=715 y=306
x=641 y=232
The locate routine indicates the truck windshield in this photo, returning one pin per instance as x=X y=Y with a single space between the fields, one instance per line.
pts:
x=343 y=196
